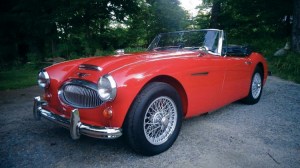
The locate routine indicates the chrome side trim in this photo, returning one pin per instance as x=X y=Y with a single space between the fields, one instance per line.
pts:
x=89 y=67
x=200 y=74
x=75 y=126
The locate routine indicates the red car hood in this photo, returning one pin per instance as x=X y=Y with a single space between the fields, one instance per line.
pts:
x=70 y=69
x=110 y=63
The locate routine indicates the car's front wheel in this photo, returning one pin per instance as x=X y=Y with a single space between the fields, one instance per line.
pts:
x=256 y=87
x=154 y=120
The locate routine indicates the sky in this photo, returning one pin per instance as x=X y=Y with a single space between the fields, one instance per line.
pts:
x=190 y=5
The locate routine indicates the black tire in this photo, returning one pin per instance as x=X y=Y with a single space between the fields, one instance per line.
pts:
x=256 y=87
x=141 y=118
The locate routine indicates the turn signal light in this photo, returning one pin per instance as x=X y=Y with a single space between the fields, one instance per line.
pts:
x=107 y=113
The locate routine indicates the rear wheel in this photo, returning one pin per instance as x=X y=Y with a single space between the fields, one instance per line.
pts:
x=256 y=87
x=154 y=120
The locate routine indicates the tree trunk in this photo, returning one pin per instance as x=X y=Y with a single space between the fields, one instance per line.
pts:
x=296 y=27
x=215 y=13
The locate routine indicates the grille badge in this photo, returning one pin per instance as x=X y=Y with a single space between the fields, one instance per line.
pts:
x=81 y=75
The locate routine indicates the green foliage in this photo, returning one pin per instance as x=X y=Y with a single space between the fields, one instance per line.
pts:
x=103 y=52
x=155 y=16
x=248 y=18
x=287 y=67
x=136 y=49
x=34 y=30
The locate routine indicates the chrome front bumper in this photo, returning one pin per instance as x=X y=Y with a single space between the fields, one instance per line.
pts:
x=74 y=125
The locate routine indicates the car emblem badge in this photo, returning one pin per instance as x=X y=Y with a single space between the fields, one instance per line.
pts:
x=81 y=75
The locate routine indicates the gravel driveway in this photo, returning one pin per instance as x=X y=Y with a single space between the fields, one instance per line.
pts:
x=263 y=135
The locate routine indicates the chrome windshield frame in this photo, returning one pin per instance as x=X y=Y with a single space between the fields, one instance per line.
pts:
x=219 y=39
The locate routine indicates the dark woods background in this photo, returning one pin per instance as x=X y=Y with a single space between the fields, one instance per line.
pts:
x=33 y=30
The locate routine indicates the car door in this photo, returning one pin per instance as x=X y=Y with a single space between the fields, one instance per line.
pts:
x=203 y=83
x=236 y=80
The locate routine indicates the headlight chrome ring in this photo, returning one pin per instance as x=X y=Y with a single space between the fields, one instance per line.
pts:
x=43 y=79
x=107 y=88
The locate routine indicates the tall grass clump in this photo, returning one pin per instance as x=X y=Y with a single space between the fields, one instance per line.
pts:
x=286 y=66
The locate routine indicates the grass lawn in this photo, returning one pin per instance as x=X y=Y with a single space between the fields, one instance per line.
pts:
x=18 y=78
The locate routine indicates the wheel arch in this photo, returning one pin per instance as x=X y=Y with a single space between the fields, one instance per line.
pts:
x=176 y=85
x=260 y=62
x=261 y=66
x=171 y=81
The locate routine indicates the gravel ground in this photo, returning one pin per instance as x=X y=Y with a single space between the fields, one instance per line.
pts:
x=263 y=135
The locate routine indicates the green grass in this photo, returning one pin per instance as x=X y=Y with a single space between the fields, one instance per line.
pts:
x=18 y=77
x=286 y=67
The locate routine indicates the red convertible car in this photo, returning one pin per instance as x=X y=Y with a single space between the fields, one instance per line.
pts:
x=144 y=96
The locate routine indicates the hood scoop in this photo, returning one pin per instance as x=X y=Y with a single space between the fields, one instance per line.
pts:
x=89 y=67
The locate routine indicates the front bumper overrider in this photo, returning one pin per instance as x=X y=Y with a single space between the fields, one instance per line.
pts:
x=74 y=125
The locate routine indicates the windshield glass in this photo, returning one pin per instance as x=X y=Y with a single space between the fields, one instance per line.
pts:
x=207 y=40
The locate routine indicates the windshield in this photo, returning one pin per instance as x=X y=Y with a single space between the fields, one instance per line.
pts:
x=208 y=40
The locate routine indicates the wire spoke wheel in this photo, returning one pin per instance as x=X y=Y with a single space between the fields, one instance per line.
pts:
x=160 y=120
x=154 y=120
x=256 y=85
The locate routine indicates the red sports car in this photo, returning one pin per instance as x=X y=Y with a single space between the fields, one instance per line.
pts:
x=144 y=96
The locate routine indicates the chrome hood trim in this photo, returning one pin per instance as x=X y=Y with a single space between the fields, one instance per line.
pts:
x=89 y=67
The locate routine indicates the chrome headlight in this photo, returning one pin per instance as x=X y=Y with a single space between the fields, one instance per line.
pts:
x=43 y=79
x=107 y=88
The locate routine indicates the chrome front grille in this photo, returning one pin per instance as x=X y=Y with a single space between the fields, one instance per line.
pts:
x=80 y=94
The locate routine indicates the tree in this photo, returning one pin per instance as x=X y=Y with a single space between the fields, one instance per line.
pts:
x=214 y=8
x=26 y=28
x=215 y=14
x=90 y=23
x=296 y=27
x=34 y=29
x=156 y=16
x=245 y=18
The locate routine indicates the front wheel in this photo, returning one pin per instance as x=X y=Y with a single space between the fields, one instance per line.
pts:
x=154 y=120
x=256 y=87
